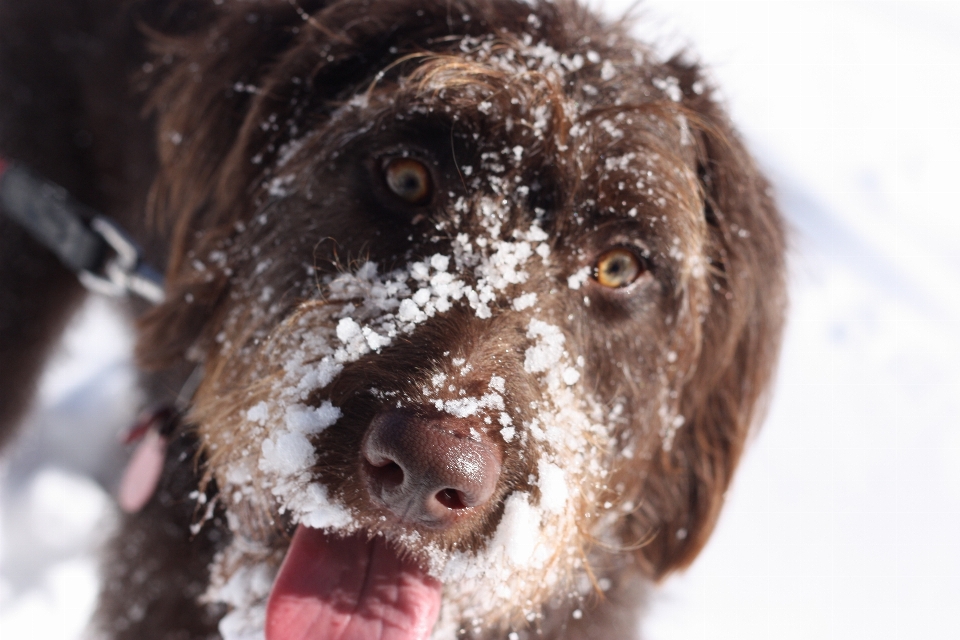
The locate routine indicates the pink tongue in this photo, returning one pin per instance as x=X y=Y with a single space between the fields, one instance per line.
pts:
x=349 y=589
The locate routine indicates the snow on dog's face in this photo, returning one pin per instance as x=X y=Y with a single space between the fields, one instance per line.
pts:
x=455 y=345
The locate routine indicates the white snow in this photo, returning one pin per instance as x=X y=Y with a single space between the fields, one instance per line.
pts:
x=287 y=453
x=246 y=592
x=524 y=301
x=844 y=518
x=576 y=280
x=517 y=535
x=570 y=376
x=53 y=516
x=553 y=487
x=548 y=349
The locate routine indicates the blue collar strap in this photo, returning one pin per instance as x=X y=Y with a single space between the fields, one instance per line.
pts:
x=94 y=247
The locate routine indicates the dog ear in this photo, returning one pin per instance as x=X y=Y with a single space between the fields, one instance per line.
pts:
x=204 y=81
x=723 y=395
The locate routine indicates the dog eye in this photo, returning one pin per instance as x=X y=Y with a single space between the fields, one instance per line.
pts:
x=618 y=267
x=409 y=179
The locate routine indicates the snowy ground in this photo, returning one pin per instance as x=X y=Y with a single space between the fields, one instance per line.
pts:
x=844 y=520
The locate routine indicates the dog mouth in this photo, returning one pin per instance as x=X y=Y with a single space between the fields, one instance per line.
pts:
x=350 y=588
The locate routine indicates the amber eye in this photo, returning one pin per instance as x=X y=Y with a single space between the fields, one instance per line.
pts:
x=618 y=268
x=409 y=179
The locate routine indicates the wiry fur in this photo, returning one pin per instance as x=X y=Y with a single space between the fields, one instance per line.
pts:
x=268 y=119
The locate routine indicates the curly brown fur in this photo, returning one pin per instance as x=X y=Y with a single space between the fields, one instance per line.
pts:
x=550 y=137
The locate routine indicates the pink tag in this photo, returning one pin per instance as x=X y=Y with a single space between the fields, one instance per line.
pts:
x=143 y=472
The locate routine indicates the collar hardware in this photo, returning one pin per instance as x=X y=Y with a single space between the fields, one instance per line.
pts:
x=125 y=272
x=102 y=255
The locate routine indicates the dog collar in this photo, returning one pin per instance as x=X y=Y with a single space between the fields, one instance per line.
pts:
x=101 y=254
x=152 y=433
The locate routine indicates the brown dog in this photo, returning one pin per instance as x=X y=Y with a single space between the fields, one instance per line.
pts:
x=484 y=296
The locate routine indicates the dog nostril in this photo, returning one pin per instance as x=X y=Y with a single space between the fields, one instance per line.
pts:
x=388 y=474
x=451 y=499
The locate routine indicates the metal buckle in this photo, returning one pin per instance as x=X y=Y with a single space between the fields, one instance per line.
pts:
x=123 y=273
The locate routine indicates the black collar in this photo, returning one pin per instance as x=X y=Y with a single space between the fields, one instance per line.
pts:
x=95 y=248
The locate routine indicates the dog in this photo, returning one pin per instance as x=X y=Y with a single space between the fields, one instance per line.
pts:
x=480 y=300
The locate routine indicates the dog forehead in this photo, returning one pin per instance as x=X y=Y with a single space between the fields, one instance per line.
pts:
x=527 y=131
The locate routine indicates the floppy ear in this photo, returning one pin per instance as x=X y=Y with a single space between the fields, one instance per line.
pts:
x=205 y=82
x=723 y=396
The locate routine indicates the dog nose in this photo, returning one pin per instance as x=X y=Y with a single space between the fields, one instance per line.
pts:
x=429 y=470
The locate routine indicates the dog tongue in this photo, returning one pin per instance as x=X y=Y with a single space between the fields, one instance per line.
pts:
x=349 y=589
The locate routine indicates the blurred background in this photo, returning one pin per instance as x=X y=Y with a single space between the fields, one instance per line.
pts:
x=844 y=519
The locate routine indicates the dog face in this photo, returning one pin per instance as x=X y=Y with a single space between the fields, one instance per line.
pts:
x=487 y=300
